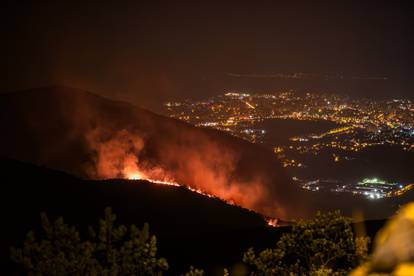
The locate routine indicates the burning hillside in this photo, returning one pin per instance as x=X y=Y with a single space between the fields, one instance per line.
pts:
x=132 y=171
x=118 y=156
x=98 y=138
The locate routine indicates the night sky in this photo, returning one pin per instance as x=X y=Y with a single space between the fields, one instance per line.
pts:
x=150 y=52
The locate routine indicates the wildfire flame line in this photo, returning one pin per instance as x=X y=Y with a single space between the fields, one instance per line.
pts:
x=141 y=176
x=118 y=156
x=272 y=222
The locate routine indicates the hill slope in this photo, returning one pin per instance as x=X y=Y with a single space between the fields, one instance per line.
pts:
x=90 y=136
x=191 y=229
x=96 y=138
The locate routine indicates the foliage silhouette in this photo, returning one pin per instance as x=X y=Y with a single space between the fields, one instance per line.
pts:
x=111 y=250
x=325 y=245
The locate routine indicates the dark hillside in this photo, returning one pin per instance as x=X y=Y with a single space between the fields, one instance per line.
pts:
x=191 y=228
x=91 y=136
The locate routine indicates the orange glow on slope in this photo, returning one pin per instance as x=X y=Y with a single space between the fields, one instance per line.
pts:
x=136 y=175
x=132 y=171
x=272 y=222
x=119 y=156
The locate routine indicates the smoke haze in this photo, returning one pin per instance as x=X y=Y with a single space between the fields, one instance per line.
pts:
x=98 y=138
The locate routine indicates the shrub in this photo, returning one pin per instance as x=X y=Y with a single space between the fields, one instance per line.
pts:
x=111 y=250
x=320 y=246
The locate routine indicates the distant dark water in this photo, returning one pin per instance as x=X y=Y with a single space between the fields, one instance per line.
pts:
x=388 y=162
x=278 y=131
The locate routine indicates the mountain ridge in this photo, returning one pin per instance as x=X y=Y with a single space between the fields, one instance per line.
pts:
x=198 y=225
x=77 y=131
x=96 y=138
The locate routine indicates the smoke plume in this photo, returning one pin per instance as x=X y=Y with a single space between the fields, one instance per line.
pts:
x=205 y=166
x=98 y=138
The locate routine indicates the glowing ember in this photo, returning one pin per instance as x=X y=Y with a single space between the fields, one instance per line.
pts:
x=135 y=176
x=199 y=192
x=163 y=182
x=272 y=222
x=138 y=175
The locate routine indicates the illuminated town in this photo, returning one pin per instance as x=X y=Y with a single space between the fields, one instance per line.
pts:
x=353 y=125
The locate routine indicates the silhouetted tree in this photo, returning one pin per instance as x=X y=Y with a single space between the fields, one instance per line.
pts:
x=112 y=250
x=194 y=272
x=325 y=245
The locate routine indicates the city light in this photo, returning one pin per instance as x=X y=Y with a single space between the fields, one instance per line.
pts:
x=356 y=125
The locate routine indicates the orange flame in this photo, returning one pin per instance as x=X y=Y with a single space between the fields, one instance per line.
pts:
x=139 y=175
x=135 y=176
x=273 y=222
x=132 y=171
x=117 y=156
